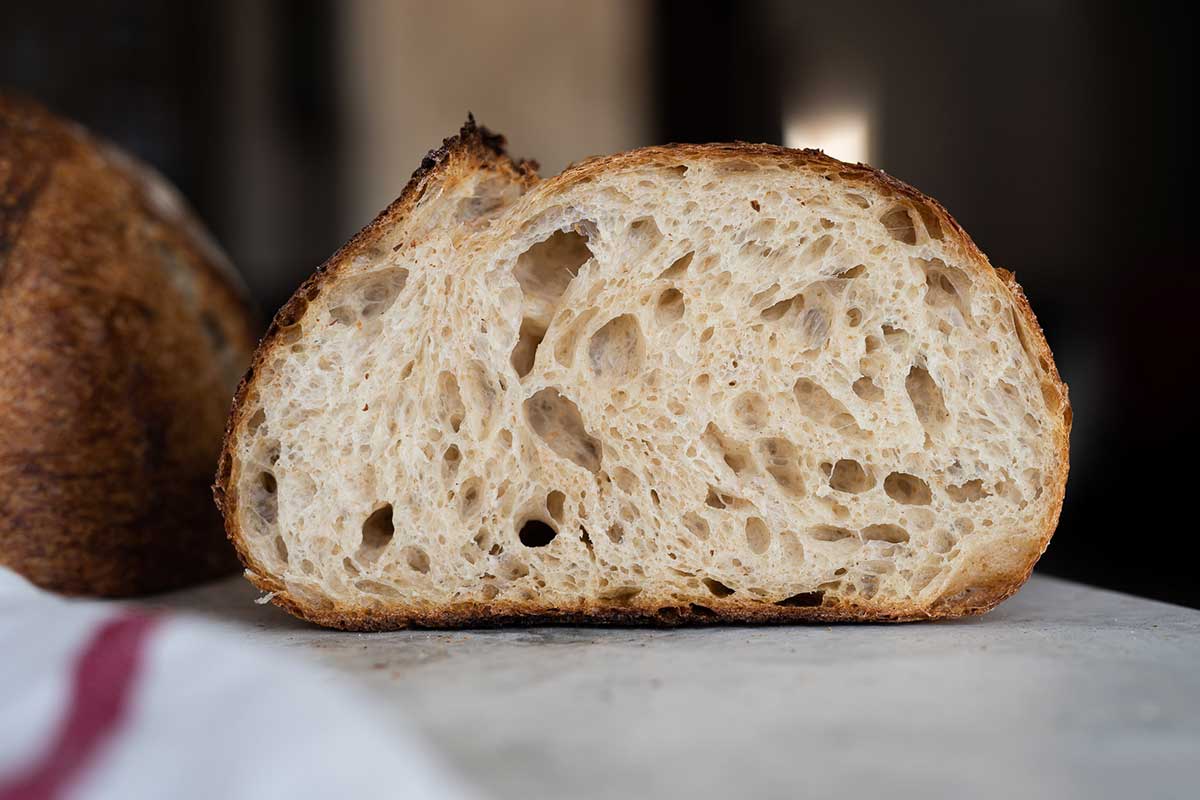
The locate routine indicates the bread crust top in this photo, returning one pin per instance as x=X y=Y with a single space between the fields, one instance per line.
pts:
x=123 y=329
x=476 y=148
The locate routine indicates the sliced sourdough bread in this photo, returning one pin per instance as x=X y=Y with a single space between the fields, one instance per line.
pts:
x=689 y=383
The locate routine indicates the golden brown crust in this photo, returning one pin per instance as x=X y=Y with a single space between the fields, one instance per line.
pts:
x=120 y=338
x=471 y=147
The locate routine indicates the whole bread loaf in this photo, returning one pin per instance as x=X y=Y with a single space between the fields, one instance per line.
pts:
x=681 y=384
x=123 y=331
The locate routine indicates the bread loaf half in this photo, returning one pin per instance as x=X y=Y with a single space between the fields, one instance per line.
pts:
x=123 y=330
x=680 y=384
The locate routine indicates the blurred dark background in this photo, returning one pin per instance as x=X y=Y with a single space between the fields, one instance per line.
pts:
x=1056 y=132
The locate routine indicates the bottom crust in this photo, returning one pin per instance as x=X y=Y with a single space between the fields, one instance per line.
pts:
x=670 y=613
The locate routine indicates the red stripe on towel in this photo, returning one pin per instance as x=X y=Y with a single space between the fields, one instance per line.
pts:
x=104 y=678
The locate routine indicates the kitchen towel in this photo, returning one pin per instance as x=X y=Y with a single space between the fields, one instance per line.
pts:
x=105 y=700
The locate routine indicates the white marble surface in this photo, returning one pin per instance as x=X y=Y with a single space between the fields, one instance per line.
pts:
x=1064 y=691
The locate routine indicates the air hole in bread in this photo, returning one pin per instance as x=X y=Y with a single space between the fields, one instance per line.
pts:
x=896 y=338
x=830 y=533
x=854 y=317
x=735 y=454
x=451 y=457
x=363 y=298
x=491 y=194
x=696 y=525
x=865 y=388
x=644 y=234
x=941 y=541
x=483 y=539
x=678 y=267
x=891 y=534
x=929 y=219
x=620 y=595
x=814 y=328
x=451 y=409
x=782 y=463
x=750 y=409
x=926 y=398
x=758 y=535
x=416 y=558
x=853 y=272
x=546 y=269
x=1010 y=492
x=670 y=306
x=289 y=334
x=733 y=166
x=536 y=533
x=470 y=498
x=557 y=421
x=626 y=481
x=615 y=533
x=378 y=292
x=714 y=499
x=907 y=489
x=616 y=350
x=376 y=588
x=858 y=200
x=899 y=224
x=802 y=600
x=1051 y=396
x=968 y=492
x=816 y=250
x=554 y=505
x=264 y=499
x=947 y=289
x=377 y=532
x=1033 y=479
x=281 y=548
x=820 y=406
x=717 y=588
x=766 y=294
x=256 y=421
x=779 y=310
x=849 y=476
x=525 y=352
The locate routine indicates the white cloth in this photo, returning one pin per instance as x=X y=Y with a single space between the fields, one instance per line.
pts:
x=102 y=700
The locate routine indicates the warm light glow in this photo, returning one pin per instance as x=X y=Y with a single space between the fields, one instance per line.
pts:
x=844 y=134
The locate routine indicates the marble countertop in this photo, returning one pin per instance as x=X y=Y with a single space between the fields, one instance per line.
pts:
x=1063 y=691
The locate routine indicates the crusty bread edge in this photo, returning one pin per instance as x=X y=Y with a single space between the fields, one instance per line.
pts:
x=477 y=144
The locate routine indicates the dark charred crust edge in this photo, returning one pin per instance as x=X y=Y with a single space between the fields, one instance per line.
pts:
x=489 y=147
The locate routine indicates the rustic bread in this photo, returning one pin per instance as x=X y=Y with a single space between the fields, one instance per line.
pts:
x=682 y=384
x=123 y=331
